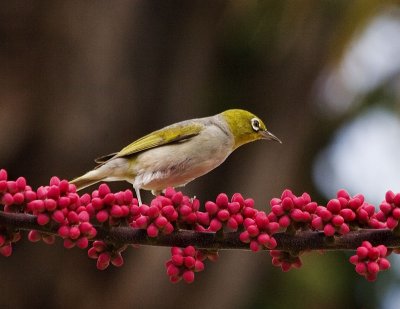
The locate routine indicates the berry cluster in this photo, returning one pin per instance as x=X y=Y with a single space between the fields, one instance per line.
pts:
x=285 y=260
x=184 y=263
x=258 y=231
x=292 y=212
x=13 y=195
x=106 y=253
x=61 y=211
x=390 y=210
x=370 y=260
x=59 y=203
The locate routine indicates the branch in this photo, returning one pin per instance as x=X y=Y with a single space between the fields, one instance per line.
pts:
x=106 y=223
x=302 y=241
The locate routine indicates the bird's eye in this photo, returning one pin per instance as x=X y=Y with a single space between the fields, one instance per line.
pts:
x=255 y=123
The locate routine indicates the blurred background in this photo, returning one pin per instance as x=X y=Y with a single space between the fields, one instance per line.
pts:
x=79 y=79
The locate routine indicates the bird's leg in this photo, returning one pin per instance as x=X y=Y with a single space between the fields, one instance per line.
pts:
x=137 y=190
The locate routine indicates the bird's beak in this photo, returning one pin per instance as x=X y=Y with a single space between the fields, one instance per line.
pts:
x=269 y=136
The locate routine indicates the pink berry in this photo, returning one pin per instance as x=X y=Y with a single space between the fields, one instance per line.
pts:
x=142 y=222
x=317 y=223
x=198 y=266
x=278 y=210
x=334 y=206
x=244 y=237
x=68 y=243
x=396 y=213
x=103 y=190
x=237 y=198
x=203 y=218
x=58 y=216
x=373 y=267
x=29 y=195
x=117 y=260
x=189 y=261
x=362 y=252
x=347 y=214
x=83 y=216
x=232 y=224
x=3 y=174
x=385 y=207
x=382 y=250
x=287 y=204
x=177 y=259
x=222 y=200
x=325 y=214
x=361 y=268
x=82 y=242
x=343 y=193
x=97 y=203
x=85 y=227
x=189 y=251
x=103 y=260
x=329 y=230
x=172 y=270
x=188 y=276
x=43 y=219
x=354 y=259
x=396 y=199
x=223 y=215
x=284 y=221
x=176 y=251
x=253 y=230
x=116 y=211
x=337 y=220
x=263 y=239
x=389 y=196
x=233 y=207
x=177 y=198
x=53 y=192
x=6 y=250
x=73 y=217
x=297 y=215
x=48 y=239
x=102 y=216
x=63 y=202
x=211 y=207
x=153 y=211
x=74 y=232
x=383 y=264
x=373 y=253
x=152 y=230
x=34 y=236
x=215 y=225
x=344 y=229
x=254 y=246
x=63 y=231
x=354 y=203
x=7 y=199
x=391 y=223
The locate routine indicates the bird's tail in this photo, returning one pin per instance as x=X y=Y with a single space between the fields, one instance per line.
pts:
x=86 y=180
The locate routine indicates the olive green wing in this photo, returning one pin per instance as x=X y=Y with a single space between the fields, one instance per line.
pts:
x=172 y=134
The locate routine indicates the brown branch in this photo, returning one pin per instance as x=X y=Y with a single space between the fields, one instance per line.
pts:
x=302 y=241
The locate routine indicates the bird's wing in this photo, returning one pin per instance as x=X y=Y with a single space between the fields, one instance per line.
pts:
x=172 y=134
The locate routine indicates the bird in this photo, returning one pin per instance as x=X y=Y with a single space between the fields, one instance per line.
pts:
x=179 y=153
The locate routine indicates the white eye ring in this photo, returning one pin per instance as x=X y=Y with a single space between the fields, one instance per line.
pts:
x=255 y=123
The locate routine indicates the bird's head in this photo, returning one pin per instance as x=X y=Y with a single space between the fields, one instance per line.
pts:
x=246 y=127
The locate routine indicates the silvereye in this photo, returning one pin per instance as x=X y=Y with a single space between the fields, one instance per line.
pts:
x=179 y=153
